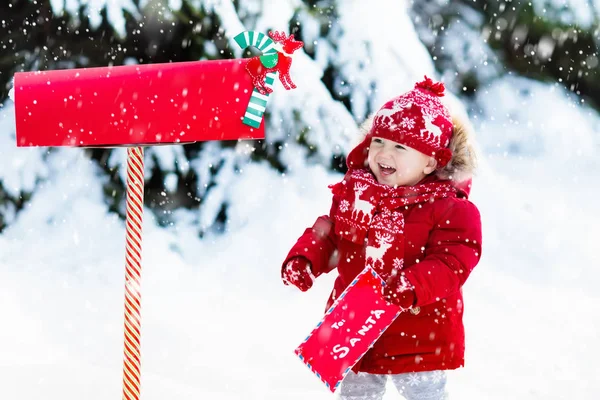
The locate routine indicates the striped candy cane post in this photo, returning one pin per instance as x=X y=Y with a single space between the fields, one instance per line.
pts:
x=133 y=272
x=258 y=102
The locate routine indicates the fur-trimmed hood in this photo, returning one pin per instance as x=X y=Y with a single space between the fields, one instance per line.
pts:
x=461 y=167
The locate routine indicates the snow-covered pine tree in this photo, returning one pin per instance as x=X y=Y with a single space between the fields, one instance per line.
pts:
x=499 y=49
x=346 y=71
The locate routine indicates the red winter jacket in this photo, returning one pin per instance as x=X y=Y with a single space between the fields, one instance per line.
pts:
x=442 y=246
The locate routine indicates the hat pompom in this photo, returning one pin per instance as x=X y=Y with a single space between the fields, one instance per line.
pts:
x=436 y=88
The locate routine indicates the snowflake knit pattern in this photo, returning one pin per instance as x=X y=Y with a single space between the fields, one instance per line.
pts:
x=417 y=119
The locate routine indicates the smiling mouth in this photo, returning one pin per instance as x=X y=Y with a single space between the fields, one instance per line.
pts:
x=386 y=169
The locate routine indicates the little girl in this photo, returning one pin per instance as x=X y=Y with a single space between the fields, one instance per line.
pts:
x=403 y=209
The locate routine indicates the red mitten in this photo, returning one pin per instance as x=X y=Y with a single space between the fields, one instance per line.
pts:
x=297 y=272
x=399 y=291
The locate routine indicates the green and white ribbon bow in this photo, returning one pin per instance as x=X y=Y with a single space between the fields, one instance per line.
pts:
x=258 y=102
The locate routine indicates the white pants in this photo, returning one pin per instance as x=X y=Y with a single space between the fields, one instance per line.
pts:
x=429 y=385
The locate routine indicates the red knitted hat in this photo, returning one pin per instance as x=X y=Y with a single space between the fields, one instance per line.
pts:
x=417 y=119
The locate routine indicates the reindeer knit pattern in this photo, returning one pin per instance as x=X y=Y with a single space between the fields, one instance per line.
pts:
x=368 y=214
x=417 y=118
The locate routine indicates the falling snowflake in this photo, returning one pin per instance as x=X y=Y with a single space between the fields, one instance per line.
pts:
x=407 y=123
x=344 y=205
x=413 y=379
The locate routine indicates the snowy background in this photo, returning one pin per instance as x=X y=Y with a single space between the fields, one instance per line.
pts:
x=217 y=321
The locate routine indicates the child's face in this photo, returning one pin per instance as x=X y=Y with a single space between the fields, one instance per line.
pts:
x=395 y=164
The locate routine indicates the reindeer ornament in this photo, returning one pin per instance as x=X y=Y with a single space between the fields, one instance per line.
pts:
x=279 y=61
